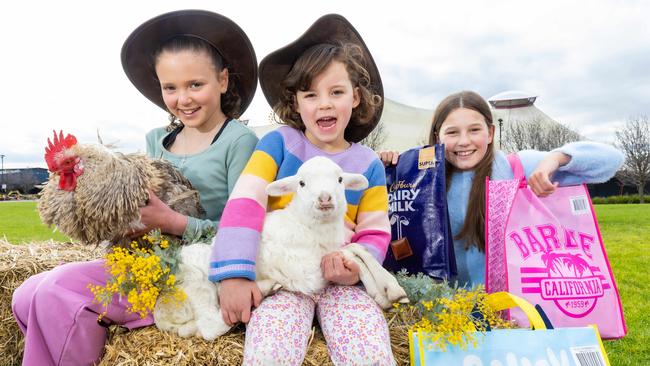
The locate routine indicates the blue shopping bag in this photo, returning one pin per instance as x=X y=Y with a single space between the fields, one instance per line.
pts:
x=420 y=229
x=580 y=346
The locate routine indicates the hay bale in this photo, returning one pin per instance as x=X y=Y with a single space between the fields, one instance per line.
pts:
x=145 y=346
x=150 y=346
x=17 y=263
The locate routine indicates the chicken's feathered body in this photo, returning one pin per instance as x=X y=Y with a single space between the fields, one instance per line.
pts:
x=103 y=203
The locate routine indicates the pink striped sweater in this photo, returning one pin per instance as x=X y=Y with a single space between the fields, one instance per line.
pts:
x=279 y=154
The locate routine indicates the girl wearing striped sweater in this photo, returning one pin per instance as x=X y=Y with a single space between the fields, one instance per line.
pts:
x=326 y=89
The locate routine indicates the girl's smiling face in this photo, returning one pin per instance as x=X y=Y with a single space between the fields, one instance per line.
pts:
x=466 y=136
x=192 y=87
x=326 y=107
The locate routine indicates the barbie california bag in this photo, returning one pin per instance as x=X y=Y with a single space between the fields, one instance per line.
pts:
x=417 y=199
x=549 y=251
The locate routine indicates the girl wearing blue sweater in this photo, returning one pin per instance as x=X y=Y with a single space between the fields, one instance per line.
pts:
x=463 y=123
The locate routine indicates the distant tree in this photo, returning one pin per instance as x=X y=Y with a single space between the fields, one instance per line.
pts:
x=376 y=139
x=621 y=181
x=423 y=140
x=536 y=134
x=272 y=117
x=634 y=141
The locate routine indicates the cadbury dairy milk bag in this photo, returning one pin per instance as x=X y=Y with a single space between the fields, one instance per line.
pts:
x=421 y=235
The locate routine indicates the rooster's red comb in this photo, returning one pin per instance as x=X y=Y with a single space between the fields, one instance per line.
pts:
x=60 y=143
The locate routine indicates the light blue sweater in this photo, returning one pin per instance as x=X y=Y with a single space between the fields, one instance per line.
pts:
x=591 y=162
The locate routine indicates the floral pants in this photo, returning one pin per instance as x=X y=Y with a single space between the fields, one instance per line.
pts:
x=354 y=327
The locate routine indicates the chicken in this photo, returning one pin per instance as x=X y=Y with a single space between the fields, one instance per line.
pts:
x=93 y=193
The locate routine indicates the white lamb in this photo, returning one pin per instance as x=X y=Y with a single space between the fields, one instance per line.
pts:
x=293 y=241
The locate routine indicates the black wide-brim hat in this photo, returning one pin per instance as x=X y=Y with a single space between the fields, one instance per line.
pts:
x=222 y=33
x=331 y=29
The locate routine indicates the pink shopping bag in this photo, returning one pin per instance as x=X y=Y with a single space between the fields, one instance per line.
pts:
x=550 y=252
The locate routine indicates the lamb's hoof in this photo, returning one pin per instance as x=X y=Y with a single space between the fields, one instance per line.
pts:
x=396 y=294
x=164 y=326
x=210 y=332
x=188 y=330
x=277 y=287
x=383 y=303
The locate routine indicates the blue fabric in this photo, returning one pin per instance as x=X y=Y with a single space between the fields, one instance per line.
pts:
x=230 y=262
x=504 y=347
x=250 y=275
x=591 y=162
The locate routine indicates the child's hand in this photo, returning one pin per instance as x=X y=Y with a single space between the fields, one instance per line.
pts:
x=540 y=179
x=388 y=157
x=156 y=214
x=337 y=269
x=236 y=297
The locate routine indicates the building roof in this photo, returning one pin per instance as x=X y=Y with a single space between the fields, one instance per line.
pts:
x=512 y=99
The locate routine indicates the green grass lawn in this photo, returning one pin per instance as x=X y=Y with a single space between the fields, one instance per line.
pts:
x=20 y=223
x=626 y=234
x=625 y=230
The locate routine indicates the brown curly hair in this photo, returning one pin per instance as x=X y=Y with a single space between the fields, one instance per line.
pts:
x=314 y=61
x=230 y=100
x=473 y=231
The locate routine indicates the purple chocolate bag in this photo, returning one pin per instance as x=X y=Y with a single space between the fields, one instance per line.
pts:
x=421 y=234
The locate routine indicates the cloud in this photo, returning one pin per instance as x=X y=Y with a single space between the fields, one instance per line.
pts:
x=586 y=61
x=587 y=66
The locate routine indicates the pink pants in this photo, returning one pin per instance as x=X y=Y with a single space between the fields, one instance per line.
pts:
x=354 y=327
x=56 y=313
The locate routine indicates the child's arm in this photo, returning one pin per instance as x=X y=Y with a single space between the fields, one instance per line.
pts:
x=236 y=297
x=235 y=246
x=540 y=178
x=156 y=214
x=388 y=157
x=338 y=269
x=574 y=163
x=372 y=228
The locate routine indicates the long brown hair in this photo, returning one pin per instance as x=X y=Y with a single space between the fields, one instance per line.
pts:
x=230 y=100
x=309 y=65
x=473 y=230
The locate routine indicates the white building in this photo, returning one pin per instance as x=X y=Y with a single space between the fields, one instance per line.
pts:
x=406 y=126
x=515 y=106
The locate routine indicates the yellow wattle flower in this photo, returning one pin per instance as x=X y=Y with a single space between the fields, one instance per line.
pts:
x=449 y=321
x=139 y=275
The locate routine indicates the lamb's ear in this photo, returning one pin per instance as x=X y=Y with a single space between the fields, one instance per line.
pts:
x=282 y=186
x=355 y=182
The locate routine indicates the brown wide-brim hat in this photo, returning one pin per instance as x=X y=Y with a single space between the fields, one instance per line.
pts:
x=332 y=29
x=222 y=33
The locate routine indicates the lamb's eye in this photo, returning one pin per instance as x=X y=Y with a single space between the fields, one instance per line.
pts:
x=302 y=183
x=340 y=179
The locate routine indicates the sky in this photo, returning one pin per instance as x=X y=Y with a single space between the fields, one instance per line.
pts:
x=586 y=61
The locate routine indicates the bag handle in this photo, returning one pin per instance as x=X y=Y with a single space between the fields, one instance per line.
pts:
x=517 y=169
x=505 y=300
